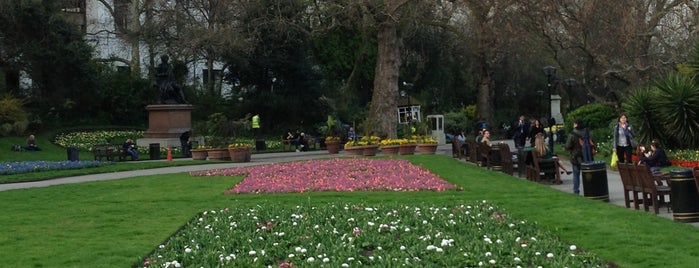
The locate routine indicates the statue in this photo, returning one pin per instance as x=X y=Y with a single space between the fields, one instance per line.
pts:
x=166 y=90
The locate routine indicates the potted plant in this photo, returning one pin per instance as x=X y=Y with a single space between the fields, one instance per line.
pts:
x=407 y=146
x=199 y=153
x=370 y=145
x=390 y=146
x=426 y=145
x=353 y=148
x=240 y=152
x=332 y=139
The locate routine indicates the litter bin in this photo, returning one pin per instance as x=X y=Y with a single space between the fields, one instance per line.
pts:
x=154 y=151
x=72 y=154
x=594 y=179
x=684 y=196
x=494 y=157
x=260 y=145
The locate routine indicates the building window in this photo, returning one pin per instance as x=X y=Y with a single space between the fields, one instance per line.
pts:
x=408 y=113
x=217 y=76
x=73 y=11
x=122 y=15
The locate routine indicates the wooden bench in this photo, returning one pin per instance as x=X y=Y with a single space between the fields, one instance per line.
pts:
x=109 y=151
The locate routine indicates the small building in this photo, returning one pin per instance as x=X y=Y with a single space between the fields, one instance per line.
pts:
x=408 y=110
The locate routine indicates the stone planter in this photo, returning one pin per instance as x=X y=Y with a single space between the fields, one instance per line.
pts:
x=427 y=148
x=390 y=149
x=354 y=150
x=370 y=150
x=333 y=147
x=198 y=154
x=240 y=155
x=218 y=154
x=407 y=149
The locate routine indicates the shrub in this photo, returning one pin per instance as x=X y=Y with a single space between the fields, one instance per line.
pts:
x=13 y=117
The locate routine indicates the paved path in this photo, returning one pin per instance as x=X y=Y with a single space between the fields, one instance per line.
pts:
x=616 y=196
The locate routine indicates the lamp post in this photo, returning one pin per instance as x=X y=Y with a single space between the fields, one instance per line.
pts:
x=550 y=72
x=570 y=82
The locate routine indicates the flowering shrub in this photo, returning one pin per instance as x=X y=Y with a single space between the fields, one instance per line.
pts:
x=425 y=139
x=332 y=139
x=352 y=144
x=354 y=235
x=333 y=175
x=85 y=140
x=239 y=145
x=386 y=142
x=34 y=166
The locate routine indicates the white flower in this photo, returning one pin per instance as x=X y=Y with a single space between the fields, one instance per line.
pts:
x=326 y=260
x=345 y=265
x=488 y=254
x=370 y=223
x=402 y=247
x=492 y=261
x=369 y=209
x=549 y=255
x=310 y=259
x=291 y=255
x=439 y=250
x=431 y=247
x=187 y=250
x=573 y=247
x=407 y=229
x=517 y=259
x=252 y=252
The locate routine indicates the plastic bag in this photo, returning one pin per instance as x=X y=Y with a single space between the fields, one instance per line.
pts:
x=615 y=160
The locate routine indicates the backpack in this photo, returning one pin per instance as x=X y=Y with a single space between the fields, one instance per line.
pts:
x=16 y=148
x=588 y=147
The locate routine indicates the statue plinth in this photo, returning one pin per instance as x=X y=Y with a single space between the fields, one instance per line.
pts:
x=166 y=122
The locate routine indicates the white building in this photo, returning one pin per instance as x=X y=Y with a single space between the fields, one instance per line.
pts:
x=104 y=25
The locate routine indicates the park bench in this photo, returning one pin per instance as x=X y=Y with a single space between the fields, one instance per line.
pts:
x=108 y=151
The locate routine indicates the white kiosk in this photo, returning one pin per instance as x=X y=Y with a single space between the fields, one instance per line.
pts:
x=436 y=124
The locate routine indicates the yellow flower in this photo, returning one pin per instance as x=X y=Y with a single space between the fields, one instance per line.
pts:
x=239 y=145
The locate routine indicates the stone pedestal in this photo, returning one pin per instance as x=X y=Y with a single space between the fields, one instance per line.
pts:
x=556 y=109
x=166 y=122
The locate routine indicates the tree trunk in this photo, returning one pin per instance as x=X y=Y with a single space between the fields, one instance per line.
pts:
x=134 y=33
x=382 y=116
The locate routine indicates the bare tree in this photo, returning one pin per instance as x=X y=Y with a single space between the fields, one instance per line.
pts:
x=614 y=45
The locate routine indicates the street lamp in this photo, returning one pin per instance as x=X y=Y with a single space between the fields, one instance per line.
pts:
x=570 y=82
x=550 y=72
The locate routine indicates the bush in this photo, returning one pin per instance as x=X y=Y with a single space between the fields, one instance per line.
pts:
x=13 y=117
x=595 y=116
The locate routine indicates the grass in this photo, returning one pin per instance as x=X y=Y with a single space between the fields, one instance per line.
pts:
x=117 y=223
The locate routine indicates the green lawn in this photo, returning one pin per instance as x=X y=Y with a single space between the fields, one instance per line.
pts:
x=117 y=223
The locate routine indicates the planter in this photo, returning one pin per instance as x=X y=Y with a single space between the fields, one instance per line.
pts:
x=333 y=147
x=354 y=150
x=390 y=149
x=427 y=148
x=240 y=155
x=218 y=154
x=370 y=150
x=198 y=154
x=407 y=149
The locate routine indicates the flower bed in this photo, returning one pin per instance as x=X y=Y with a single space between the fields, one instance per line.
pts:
x=354 y=235
x=34 y=166
x=333 y=175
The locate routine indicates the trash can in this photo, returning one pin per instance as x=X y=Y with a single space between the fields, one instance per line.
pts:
x=154 y=151
x=495 y=158
x=260 y=145
x=594 y=180
x=683 y=196
x=72 y=154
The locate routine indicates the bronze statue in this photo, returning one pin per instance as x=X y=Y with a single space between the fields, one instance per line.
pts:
x=166 y=90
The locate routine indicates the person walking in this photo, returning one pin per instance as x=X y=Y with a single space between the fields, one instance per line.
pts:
x=575 y=148
x=623 y=141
